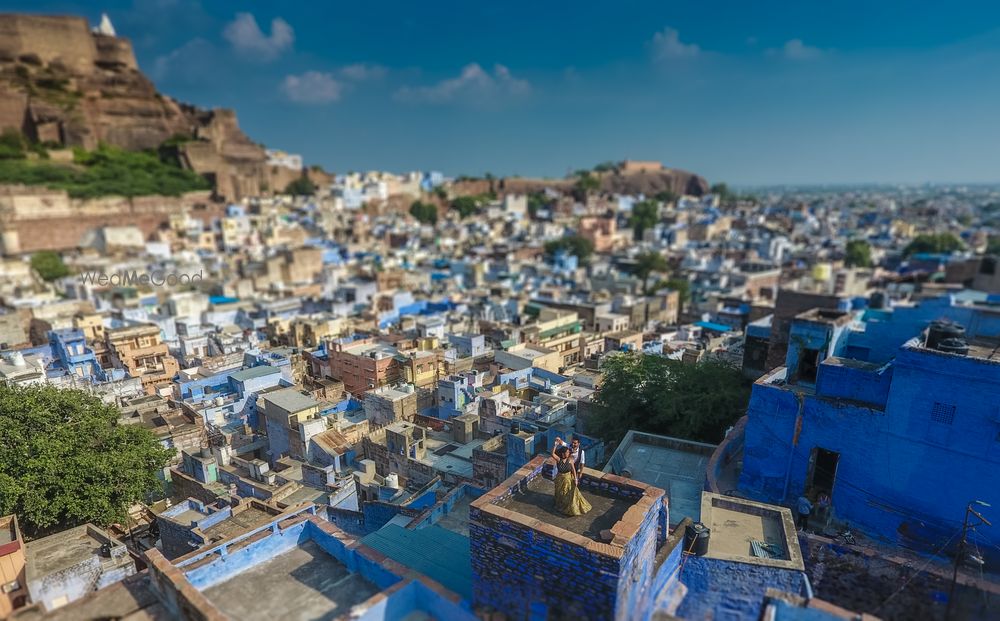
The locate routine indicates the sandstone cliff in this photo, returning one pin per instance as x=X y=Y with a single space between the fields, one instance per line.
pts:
x=60 y=83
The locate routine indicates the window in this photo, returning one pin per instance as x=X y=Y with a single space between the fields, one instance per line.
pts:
x=943 y=413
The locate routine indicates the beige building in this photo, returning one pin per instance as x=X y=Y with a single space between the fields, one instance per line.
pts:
x=557 y=330
x=139 y=350
x=389 y=404
x=13 y=587
x=526 y=355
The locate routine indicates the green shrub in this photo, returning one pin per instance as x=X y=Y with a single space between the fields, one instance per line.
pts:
x=106 y=171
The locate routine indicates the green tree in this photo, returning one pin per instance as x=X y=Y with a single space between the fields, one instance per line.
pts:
x=683 y=288
x=49 y=265
x=722 y=190
x=607 y=166
x=66 y=460
x=465 y=206
x=858 y=253
x=657 y=395
x=666 y=196
x=425 y=213
x=536 y=201
x=302 y=186
x=573 y=244
x=940 y=243
x=645 y=215
x=587 y=183
x=993 y=245
x=647 y=264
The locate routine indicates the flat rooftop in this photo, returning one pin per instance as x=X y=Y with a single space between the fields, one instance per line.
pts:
x=457 y=519
x=536 y=501
x=62 y=550
x=736 y=523
x=239 y=523
x=302 y=584
x=290 y=399
x=676 y=466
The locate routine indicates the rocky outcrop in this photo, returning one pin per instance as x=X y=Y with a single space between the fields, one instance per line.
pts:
x=61 y=83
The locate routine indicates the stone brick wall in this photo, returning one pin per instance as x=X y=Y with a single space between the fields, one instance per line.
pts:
x=527 y=568
x=514 y=566
x=718 y=589
x=489 y=463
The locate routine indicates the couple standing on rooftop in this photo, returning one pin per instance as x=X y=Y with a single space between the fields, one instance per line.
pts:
x=570 y=460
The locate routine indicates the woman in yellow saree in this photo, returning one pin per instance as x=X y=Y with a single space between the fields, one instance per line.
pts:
x=568 y=499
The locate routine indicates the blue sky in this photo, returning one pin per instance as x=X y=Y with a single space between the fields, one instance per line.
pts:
x=742 y=92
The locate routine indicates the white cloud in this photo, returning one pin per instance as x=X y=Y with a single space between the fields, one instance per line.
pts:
x=795 y=49
x=473 y=84
x=246 y=37
x=360 y=72
x=312 y=87
x=667 y=45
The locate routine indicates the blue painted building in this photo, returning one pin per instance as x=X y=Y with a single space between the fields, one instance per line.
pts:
x=71 y=353
x=901 y=433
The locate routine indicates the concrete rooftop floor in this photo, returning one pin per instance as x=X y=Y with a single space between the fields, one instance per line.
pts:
x=680 y=473
x=457 y=520
x=733 y=530
x=237 y=524
x=303 y=584
x=61 y=550
x=537 y=502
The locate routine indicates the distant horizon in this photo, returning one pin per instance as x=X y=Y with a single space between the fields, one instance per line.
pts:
x=860 y=94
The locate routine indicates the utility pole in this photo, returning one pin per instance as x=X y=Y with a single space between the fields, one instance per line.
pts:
x=966 y=527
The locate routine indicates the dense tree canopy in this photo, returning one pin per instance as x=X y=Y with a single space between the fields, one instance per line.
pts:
x=722 y=190
x=934 y=243
x=658 y=395
x=425 y=213
x=465 y=205
x=49 y=265
x=858 y=253
x=573 y=244
x=65 y=460
x=587 y=183
x=647 y=264
x=645 y=215
x=536 y=201
x=303 y=186
x=666 y=196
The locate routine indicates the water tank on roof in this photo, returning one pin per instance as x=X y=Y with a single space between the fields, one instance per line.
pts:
x=876 y=300
x=219 y=401
x=515 y=428
x=392 y=480
x=953 y=346
x=696 y=539
x=822 y=271
x=941 y=330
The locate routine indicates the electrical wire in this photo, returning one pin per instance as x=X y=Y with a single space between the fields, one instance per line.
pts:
x=919 y=571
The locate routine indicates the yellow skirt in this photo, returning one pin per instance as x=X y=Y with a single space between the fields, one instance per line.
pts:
x=569 y=500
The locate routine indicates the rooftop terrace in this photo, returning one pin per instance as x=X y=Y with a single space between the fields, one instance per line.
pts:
x=526 y=498
x=535 y=500
x=677 y=466
x=304 y=583
x=735 y=524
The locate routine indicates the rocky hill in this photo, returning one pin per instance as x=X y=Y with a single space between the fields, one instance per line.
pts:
x=61 y=84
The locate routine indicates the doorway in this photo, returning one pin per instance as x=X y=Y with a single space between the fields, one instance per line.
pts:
x=822 y=470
